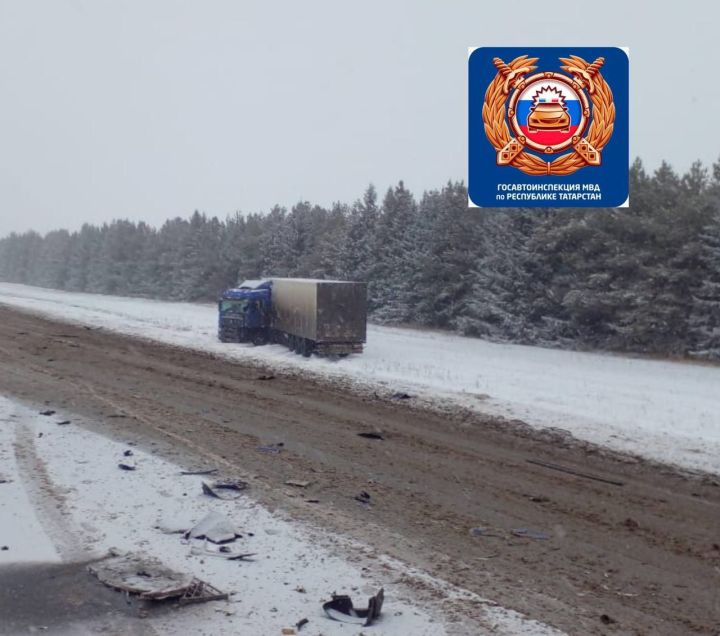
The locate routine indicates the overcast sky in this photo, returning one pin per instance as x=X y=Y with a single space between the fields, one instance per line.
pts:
x=148 y=109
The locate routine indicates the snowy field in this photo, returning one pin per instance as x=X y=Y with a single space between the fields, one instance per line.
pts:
x=295 y=568
x=666 y=411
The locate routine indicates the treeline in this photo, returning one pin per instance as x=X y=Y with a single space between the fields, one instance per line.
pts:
x=643 y=279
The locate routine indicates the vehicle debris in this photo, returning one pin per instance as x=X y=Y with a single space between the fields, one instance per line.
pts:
x=228 y=489
x=538 y=498
x=370 y=435
x=271 y=449
x=128 y=453
x=150 y=580
x=209 y=471
x=297 y=483
x=572 y=471
x=340 y=608
x=364 y=498
x=215 y=528
x=221 y=551
x=525 y=533
x=128 y=464
x=401 y=396
x=47 y=413
x=63 y=423
x=301 y=623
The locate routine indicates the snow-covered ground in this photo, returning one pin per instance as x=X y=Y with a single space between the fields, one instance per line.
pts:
x=667 y=411
x=295 y=570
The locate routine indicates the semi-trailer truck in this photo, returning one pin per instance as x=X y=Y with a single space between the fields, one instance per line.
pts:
x=327 y=317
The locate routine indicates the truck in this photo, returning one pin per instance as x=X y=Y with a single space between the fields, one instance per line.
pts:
x=326 y=317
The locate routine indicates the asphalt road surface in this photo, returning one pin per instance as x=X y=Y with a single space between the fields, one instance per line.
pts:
x=636 y=553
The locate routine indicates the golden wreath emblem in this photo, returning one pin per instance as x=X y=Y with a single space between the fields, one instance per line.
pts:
x=548 y=131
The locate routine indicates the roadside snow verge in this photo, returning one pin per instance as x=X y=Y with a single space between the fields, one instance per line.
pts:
x=295 y=567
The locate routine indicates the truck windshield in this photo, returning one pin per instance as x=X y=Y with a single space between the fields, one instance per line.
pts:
x=233 y=306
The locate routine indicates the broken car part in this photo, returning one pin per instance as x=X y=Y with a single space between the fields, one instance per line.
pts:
x=228 y=489
x=340 y=608
x=215 y=528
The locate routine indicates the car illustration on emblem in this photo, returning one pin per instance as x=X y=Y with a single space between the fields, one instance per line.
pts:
x=548 y=116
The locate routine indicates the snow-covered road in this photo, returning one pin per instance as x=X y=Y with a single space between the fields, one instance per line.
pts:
x=667 y=411
x=294 y=570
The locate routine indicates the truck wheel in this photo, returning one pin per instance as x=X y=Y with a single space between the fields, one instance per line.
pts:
x=308 y=346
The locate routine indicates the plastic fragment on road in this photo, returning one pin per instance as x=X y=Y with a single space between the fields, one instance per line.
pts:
x=227 y=489
x=221 y=551
x=215 y=528
x=298 y=483
x=525 y=533
x=341 y=608
x=205 y=471
x=271 y=449
x=370 y=435
x=364 y=498
x=150 y=580
x=47 y=413
x=63 y=423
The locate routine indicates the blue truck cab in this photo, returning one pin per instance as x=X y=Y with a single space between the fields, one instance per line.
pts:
x=244 y=312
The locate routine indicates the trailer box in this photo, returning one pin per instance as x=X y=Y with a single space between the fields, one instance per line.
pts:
x=330 y=313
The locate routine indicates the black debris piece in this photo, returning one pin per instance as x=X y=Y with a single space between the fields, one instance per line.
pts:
x=538 y=498
x=117 y=415
x=607 y=620
x=128 y=453
x=63 y=423
x=127 y=465
x=340 y=608
x=209 y=471
x=4 y=548
x=577 y=473
x=400 y=396
x=271 y=449
x=631 y=524
x=228 y=489
x=364 y=498
x=221 y=551
x=40 y=434
x=371 y=435
x=525 y=533
x=266 y=377
x=301 y=623
x=47 y=413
